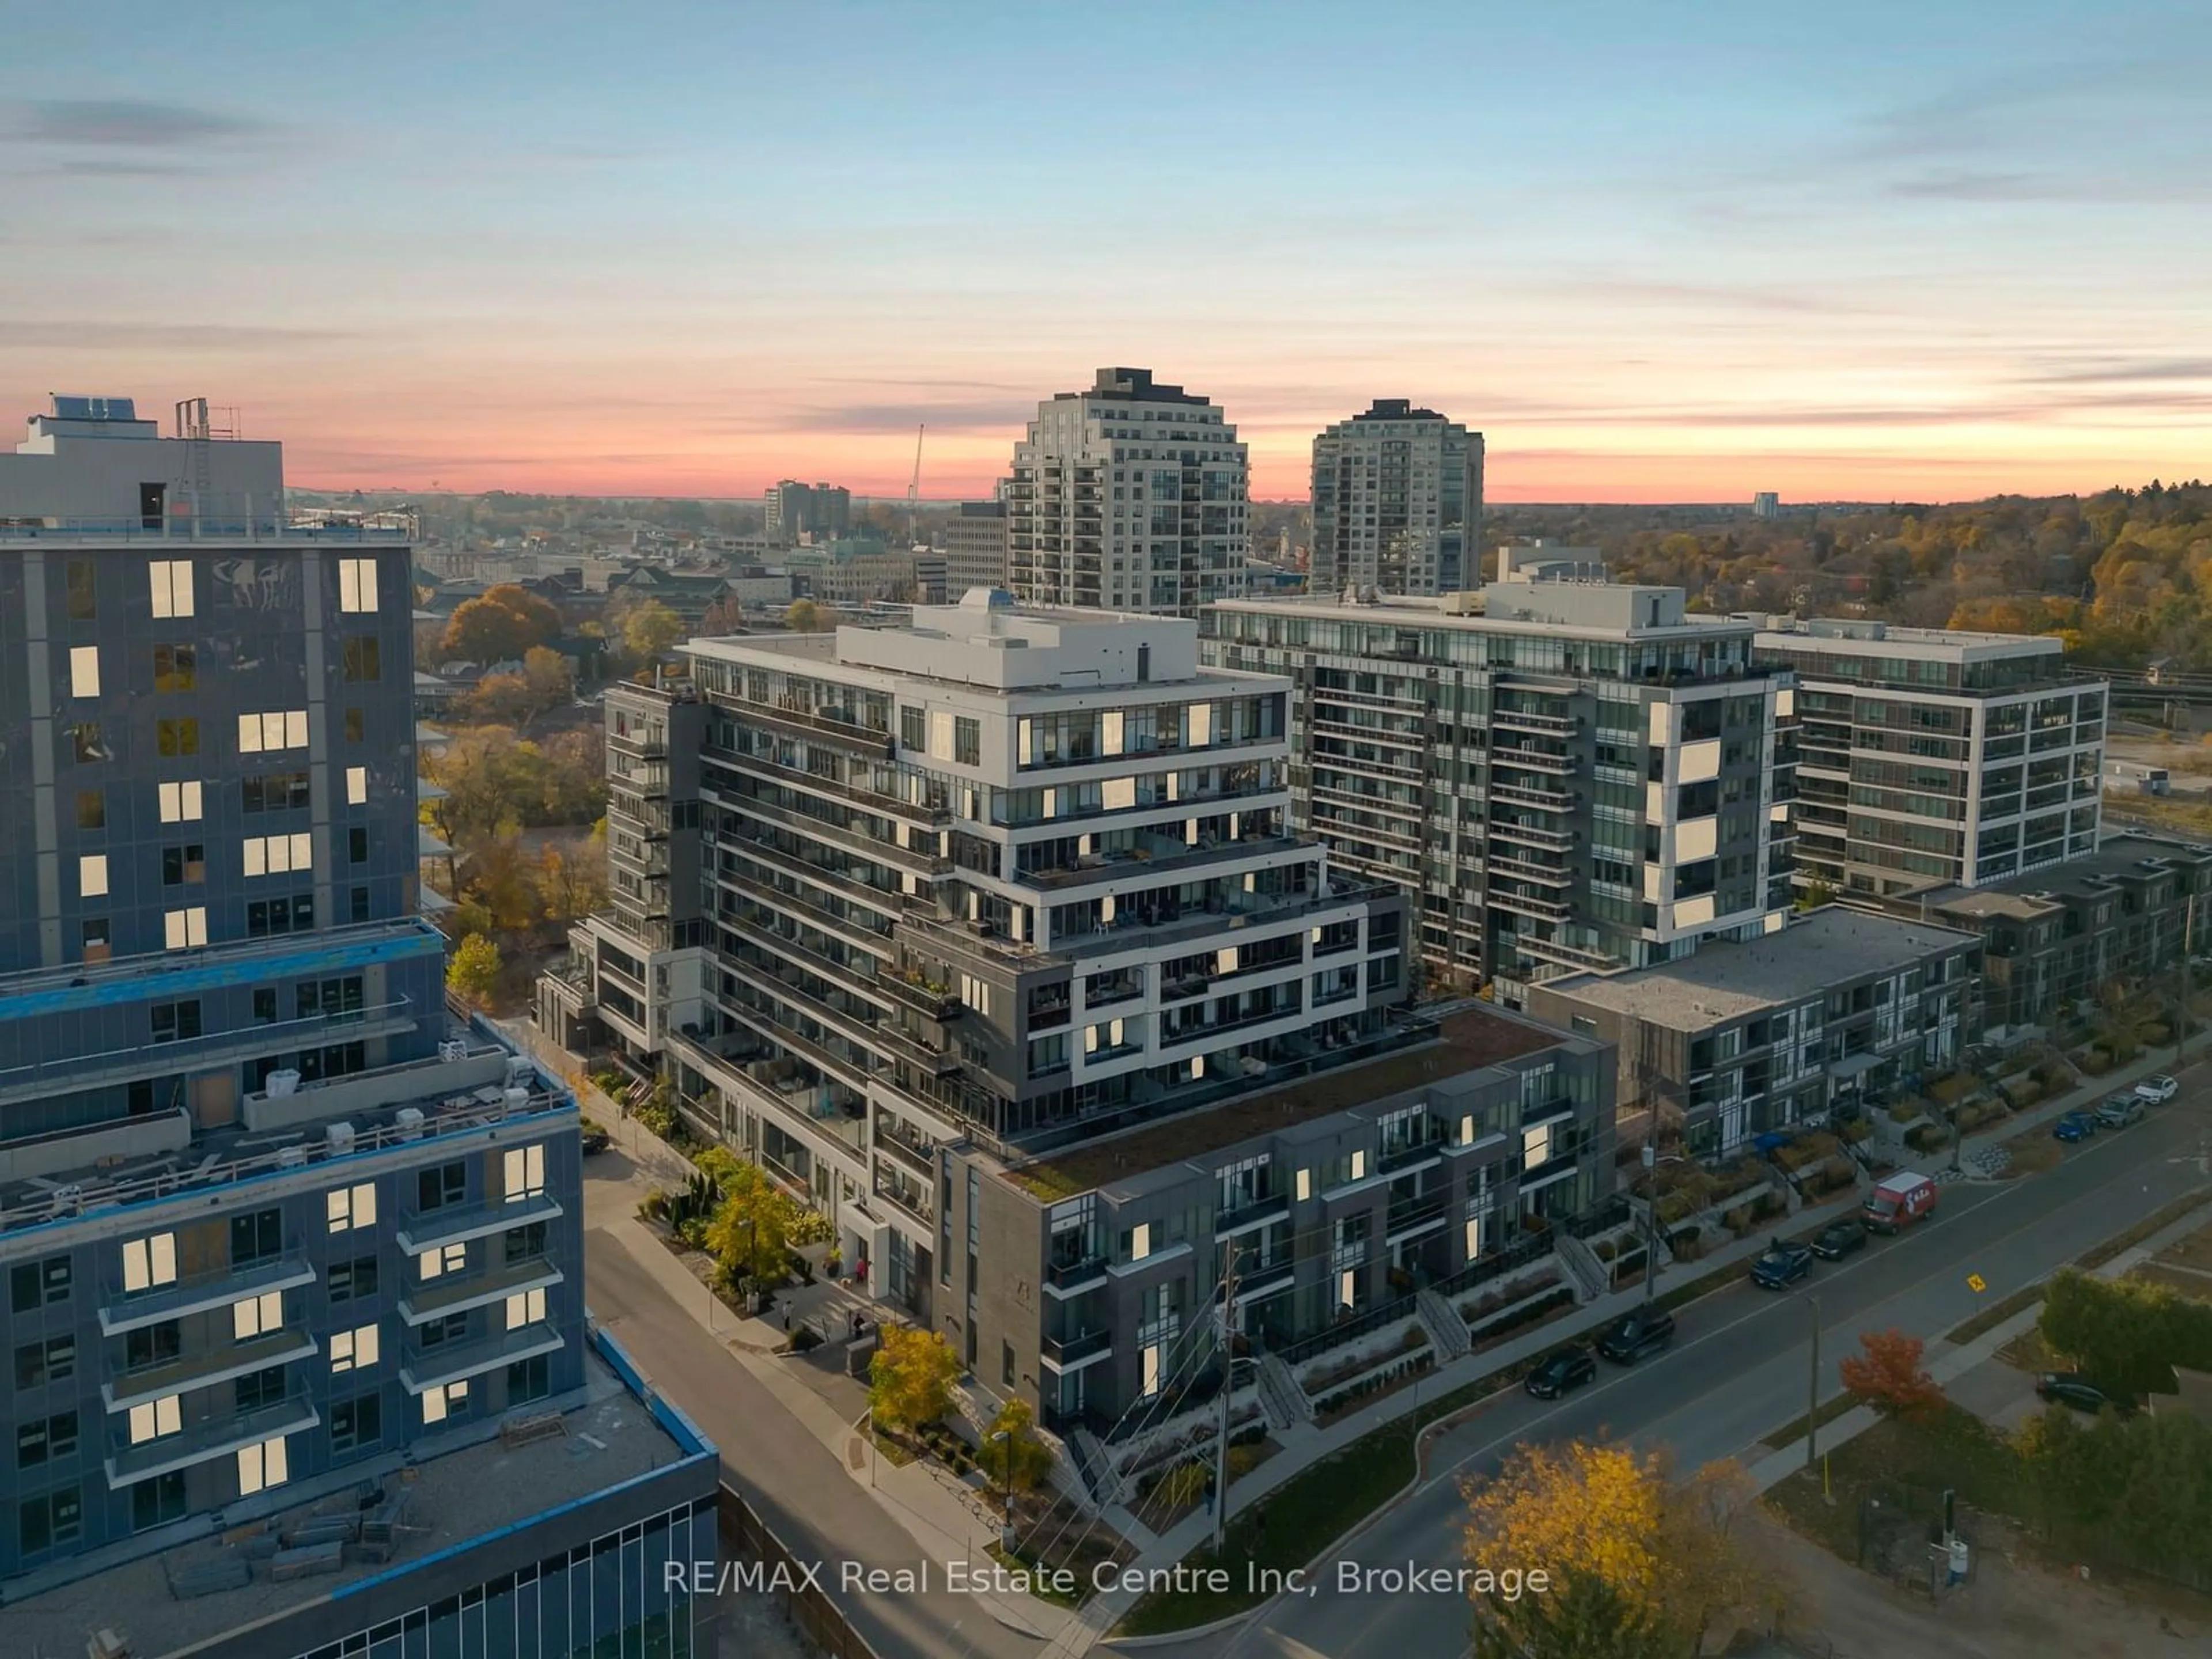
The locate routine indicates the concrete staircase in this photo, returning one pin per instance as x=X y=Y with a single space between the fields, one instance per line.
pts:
x=1590 y=1277
x=1282 y=1399
x=1444 y=1326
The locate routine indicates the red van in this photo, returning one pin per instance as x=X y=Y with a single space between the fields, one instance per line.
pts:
x=1897 y=1202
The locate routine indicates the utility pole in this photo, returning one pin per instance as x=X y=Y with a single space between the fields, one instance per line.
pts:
x=2181 y=1009
x=1228 y=1379
x=1813 y=1393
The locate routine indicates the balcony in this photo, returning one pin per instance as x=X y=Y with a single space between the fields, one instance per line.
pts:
x=452 y=1293
x=645 y=746
x=211 y=1437
x=1066 y=1279
x=122 y=1311
x=1542 y=800
x=1522 y=905
x=938 y=1002
x=1065 y=1353
x=933 y=1060
x=456 y=1224
x=1252 y=1283
x=1551 y=875
x=428 y=1367
x=220 y=1363
x=1254 y=1213
x=906 y=1195
x=908 y=1151
x=1521 y=720
x=1416 y=1215
x=1536 y=760
x=1551 y=841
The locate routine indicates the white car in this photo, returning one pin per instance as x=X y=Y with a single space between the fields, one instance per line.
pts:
x=2158 y=1089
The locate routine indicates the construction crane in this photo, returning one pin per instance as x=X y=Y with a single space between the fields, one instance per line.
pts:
x=914 y=487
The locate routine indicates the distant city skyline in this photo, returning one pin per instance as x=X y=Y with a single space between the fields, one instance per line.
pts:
x=1922 y=252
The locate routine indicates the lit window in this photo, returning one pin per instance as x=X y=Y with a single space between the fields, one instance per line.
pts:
x=172 y=588
x=257 y=1315
x=1306 y=1185
x=92 y=875
x=356 y=585
x=357 y=786
x=84 y=671
x=185 y=929
x=261 y=1465
x=279 y=855
x=446 y=1259
x=525 y=1308
x=354 y=1350
x=147 y=1263
x=352 y=1207
x=155 y=1419
x=1152 y=1371
x=1140 y=1241
x=439 y=1403
x=526 y=1173
x=276 y=729
x=180 y=803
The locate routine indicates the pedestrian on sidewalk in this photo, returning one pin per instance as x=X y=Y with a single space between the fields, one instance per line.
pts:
x=787 y=1321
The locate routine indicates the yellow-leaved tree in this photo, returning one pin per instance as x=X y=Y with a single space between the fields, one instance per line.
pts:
x=910 y=1379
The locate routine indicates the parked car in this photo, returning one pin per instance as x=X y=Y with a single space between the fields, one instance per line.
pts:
x=2072 y=1388
x=1898 y=1201
x=595 y=1140
x=1629 y=1338
x=1782 y=1266
x=1562 y=1373
x=2120 y=1110
x=1839 y=1239
x=2074 y=1126
x=2157 y=1090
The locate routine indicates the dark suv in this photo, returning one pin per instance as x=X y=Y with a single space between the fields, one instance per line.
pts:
x=1631 y=1336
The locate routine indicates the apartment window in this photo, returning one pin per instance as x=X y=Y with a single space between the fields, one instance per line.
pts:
x=330 y=997
x=53 y=1360
x=454 y=1328
x=279 y=855
x=157 y=1502
x=265 y=1388
x=258 y=1315
x=185 y=929
x=153 y=1345
x=356 y=585
x=91 y=875
x=356 y=1425
x=175 y=1022
x=363 y=660
x=177 y=738
x=34 y=1285
x=355 y=725
x=354 y=1281
x=525 y=1308
x=264 y=1006
x=526 y=1173
x=528 y=1379
x=45 y=1439
x=275 y=791
x=84 y=671
x=1150 y=1384
x=295 y=914
x=92 y=809
x=180 y=803
x=354 y=1350
x=184 y=866
x=447 y=1184
x=261 y=1466
x=51 y=1519
x=913 y=729
x=149 y=1263
x=357 y=786
x=521 y=1243
x=176 y=668
x=98 y=946
x=1140 y=1241
x=277 y=729
x=155 y=1419
x=357 y=904
x=83 y=590
x=445 y=1259
x=351 y=1208
x=171 y=581
x=968 y=741
x=1304 y=1185
x=259 y=1236
x=85 y=743
x=449 y=1399
x=357 y=845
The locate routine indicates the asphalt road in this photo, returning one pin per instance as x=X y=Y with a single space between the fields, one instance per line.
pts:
x=1739 y=1369
x=789 y=1476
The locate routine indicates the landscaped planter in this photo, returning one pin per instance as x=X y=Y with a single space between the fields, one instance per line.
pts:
x=1338 y=1363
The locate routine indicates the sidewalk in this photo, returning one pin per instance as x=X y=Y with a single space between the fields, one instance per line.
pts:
x=2119 y=1079
x=1954 y=1363
x=942 y=1520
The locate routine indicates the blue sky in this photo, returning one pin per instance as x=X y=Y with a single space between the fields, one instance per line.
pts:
x=1663 y=250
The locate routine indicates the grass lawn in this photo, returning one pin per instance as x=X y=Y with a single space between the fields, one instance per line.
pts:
x=1995 y=1314
x=2193 y=1251
x=1793 y=1431
x=2157 y=1221
x=2196 y=1286
x=2027 y=1352
x=1903 y=1462
x=2033 y=1153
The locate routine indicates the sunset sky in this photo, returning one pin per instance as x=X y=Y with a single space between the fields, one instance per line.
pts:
x=1670 y=250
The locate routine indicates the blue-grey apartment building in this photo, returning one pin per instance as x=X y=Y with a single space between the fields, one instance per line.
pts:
x=293 y=1259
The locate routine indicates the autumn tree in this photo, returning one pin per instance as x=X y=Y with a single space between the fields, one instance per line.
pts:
x=500 y=627
x=1889 y=1377
x=650 y=629
x=1642 y=1566
x=910 y=1379
x=499 y=700
x=1021 y=1460
x=2126 y=1335
x=472 y=970
x=805 y=616
x=497 y=783
x=754 y=1221
x=551 y=676
x=573 y=883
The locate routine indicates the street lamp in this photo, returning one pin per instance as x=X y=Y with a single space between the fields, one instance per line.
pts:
x=1006 y=1537
x=1651 y=1161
